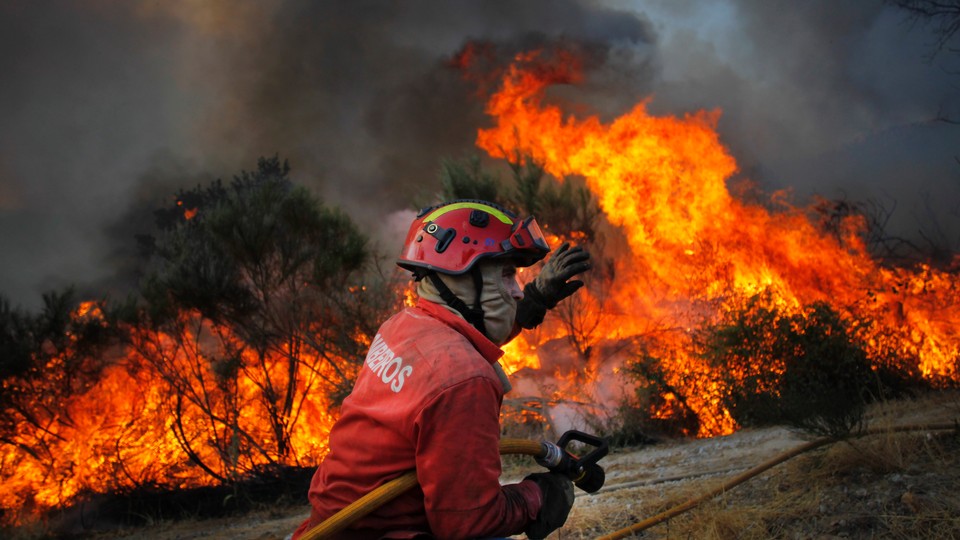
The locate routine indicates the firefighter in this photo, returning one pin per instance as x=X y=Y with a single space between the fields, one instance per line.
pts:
x=428 y=396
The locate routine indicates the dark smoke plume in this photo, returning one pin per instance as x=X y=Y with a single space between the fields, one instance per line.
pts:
x=110 y=106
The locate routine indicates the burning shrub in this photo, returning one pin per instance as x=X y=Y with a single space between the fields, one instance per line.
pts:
x=47 y=361
x=657 y=408
x=252 y=325
x=804 y=369
x=249 y=287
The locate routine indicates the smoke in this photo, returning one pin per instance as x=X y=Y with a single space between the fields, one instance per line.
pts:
x=837 y=99
x=110 y=106
x=84 y=103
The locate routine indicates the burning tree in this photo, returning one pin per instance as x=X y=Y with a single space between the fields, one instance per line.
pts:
x=687 y=253
x=255 y=314
x=244 y=311
x=46 y=360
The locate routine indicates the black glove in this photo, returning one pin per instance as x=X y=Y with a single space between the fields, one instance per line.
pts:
x=557 y=501
x=552 y=285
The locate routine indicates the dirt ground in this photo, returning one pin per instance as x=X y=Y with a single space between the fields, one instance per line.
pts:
x=886 y=486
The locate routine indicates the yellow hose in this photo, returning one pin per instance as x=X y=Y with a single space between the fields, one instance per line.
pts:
x=392 y=489
x=369 y=502
x=743 y=477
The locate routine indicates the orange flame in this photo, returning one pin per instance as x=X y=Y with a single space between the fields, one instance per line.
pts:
x=188 y=213
x=131 y=428
x=691 y=251
x=662 y=182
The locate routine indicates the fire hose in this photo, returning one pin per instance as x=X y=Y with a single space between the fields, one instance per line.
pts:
x=746 y=475
x=583 y=471
x=589 y=476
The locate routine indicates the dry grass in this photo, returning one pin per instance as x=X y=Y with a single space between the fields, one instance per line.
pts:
x=890 y=486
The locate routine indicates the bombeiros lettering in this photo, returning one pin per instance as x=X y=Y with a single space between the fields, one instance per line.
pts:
x=387 y=365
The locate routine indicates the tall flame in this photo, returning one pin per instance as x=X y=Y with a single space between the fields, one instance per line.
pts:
x=663 y=182
x=691 y=252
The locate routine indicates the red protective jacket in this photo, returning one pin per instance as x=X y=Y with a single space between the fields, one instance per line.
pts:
x=427 y=398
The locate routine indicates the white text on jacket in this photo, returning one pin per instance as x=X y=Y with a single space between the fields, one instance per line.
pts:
x=388 y=366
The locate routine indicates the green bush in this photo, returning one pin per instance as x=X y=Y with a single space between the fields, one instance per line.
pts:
x=656 y=408
x=804 y=369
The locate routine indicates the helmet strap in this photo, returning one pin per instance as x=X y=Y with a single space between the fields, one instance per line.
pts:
x=473 y=315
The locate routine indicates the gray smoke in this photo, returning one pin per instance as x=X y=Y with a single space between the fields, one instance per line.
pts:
x=109 y=107
x=839 y=99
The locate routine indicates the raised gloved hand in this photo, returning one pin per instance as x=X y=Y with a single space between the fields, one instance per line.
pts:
x=553 y=284
x=557 y=492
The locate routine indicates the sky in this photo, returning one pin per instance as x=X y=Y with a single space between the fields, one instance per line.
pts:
x=108 y=107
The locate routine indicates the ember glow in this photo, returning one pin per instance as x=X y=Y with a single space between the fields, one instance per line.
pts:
x=693 y=251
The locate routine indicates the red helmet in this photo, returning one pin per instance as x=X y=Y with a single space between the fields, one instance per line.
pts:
x=451 y=237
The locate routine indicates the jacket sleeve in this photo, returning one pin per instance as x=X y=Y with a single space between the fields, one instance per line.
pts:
x=458 y=466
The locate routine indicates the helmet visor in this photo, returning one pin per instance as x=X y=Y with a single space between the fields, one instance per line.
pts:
x=527 y=236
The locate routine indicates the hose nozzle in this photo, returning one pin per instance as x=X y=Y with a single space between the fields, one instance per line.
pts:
x=584 y=472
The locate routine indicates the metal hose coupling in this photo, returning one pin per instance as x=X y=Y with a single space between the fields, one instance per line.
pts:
x=585 y=473
x=552 y=455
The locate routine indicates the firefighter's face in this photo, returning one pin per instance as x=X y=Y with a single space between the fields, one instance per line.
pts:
x=510 y=283
x=501 y=292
